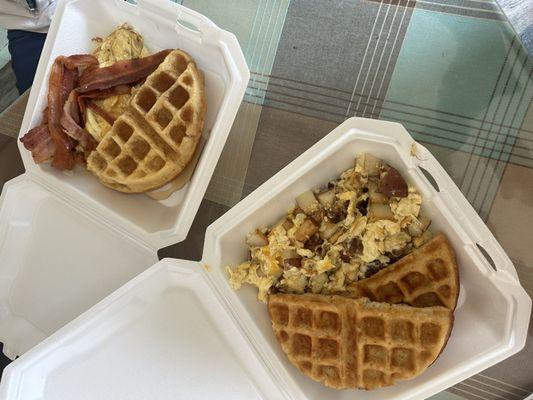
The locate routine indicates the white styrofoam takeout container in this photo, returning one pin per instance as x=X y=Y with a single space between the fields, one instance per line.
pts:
x=149 y=340
x=67 y=241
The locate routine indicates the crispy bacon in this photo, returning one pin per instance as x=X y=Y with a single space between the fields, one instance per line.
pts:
x=61 y=128
x=81 y=61
x=40 y=143
x=100 y=94
x=70 y=121
x=101 y=112
x=120 y=73
x=69 y=81
x=58 y=85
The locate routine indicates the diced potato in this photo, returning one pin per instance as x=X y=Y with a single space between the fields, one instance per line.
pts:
x=425 y=221
x=292 y=262
x=415 y=228
x=285 y=223
x=380 y=198
x=425 y=237
x=354 y=247
x=418 y=226
x=256 y=239
x=291 y=258
x=326 y=198
x=307 y=202
x=289 y=253
x=336 y=236
x=372 y=164
x=327 y=229
x=372 y=186
x=306 y=230
x=378 y=211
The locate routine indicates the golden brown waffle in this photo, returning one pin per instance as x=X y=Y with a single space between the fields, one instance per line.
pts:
x=354 y=343
x=155 y=138
x=426 y=277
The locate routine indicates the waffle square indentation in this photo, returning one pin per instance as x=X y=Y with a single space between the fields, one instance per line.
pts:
x=162 y=82
x=375 y=354
x=303 y=318
x=111 y=148
x=414 y=280
x=127 y=165
x=301 y=345
x=139 y=148
x=390 y=293
x=401 y=330
x=145 y=99
x=163 y=117
x=327 y=348
x=437 y=269
x=429 y=334
x=328 y=321
x=373 y=327
x=402 y=358
x=123 y=130
x=280 y=314
x=178 y=97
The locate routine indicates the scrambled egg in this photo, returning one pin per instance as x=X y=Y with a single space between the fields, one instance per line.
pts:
x=248 y=273
x=294 y=281
x=122 y=44
x=295 y=256
x=407 y=209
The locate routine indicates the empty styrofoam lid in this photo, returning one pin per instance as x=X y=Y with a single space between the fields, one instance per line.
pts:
x=164 y=335
x=55 y=263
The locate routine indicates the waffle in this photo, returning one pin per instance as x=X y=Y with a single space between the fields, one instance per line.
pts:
x=155 y=138
x=354 y=343
x=426 y=277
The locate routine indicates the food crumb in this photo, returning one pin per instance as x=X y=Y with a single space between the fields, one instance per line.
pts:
x=413 y=150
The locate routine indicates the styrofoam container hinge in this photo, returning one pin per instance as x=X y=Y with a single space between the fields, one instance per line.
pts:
x=88 y=211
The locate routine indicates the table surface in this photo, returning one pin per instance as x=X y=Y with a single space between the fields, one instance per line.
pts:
x=452 y=72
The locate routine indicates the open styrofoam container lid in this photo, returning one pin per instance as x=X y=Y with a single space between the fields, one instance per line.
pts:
x=163 y=24
x=164 y=335
x=55 y=263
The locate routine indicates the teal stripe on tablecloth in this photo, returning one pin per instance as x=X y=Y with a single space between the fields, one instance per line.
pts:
x=451 y=83
x=257 y=25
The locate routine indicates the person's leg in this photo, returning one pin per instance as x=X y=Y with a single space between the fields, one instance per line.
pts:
x=25 y=48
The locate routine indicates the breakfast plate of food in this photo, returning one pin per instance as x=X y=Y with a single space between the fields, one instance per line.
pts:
x=360 y=291
x=133 y=119
x=124 y=125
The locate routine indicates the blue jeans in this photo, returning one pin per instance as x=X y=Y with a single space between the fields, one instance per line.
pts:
x=25 y=48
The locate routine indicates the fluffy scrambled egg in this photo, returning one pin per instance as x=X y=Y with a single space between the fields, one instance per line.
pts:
x=330 y=239
x=122 y=44
x=407 y=209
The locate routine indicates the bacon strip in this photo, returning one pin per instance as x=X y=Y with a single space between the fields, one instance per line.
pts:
x=59 y=87
x=80 y=61
x=60 y=131
x=70 y=121
x=101 y=112
x=100 y=94
x=120 y=73
x=40 y=143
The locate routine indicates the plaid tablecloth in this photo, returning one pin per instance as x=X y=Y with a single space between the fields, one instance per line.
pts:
x=451 y=71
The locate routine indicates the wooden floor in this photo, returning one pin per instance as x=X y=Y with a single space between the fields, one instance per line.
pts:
x=8 y=90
